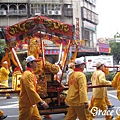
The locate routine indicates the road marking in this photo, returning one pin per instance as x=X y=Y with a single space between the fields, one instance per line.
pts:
x=9 y=106
x=5 y=97
x=113 y=96
x=12 y=116
x=12 y=102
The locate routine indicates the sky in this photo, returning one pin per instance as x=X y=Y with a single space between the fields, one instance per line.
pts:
x=109 y=18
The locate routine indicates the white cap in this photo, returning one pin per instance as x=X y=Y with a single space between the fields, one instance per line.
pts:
x=79 y=61
x=98 y=64
x=5 y=62
x=31 y=58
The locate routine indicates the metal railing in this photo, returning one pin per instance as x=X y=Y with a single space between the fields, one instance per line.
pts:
x=13 y=12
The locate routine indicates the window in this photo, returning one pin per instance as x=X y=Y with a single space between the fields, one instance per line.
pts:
x=57 y=7
x=84 y=13
x=88 y=15
x=43 y=9
x=54 y=7
x=94 y=2
x=86 y=34
x=88 y=37
x=87 y=43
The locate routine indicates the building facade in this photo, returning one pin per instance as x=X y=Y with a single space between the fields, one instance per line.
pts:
x=81 y=13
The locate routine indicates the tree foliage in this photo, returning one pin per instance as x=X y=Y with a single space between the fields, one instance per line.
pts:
x=115 y=50
x=2 y=48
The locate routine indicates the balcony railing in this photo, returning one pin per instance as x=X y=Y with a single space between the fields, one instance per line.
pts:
x=22 y=12
x=13 y=12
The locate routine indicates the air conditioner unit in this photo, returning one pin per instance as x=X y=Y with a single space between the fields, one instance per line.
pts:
x=58 y=12
x=37 y=13
x=51 y=12
x=4 y=12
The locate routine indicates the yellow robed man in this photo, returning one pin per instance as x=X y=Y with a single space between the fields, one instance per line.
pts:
x=99 y=94
x=29 y=97
x=77 y=98
x=4 y=75
x=116 y=85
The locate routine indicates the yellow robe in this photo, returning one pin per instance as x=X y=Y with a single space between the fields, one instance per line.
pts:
x=98 y=78
x=116 y=84
x=99 y=94
x=28 y=97
x=4 y=74
x=77 y=92
x=77 y=97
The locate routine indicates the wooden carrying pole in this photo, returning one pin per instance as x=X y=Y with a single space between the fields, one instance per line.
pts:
x=98 y=86
x=16 y=57
x=10 y=90
x=68 y=47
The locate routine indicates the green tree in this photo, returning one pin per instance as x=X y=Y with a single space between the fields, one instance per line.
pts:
x=115 y=50
x=2 y=48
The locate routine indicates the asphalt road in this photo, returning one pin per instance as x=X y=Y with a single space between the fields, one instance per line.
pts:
x=10 y=107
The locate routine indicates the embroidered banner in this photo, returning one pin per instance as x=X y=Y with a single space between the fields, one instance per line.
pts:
x=33 y=25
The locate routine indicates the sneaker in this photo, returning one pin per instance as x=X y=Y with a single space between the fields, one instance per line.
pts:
x=8 y=97
x=3 y=117
x=110 y=106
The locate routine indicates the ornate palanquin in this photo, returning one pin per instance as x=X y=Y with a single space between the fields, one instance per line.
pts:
x=33 y=32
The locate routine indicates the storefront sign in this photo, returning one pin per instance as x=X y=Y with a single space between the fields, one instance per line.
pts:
x=89 y=25
x=50 y=52
x=77 y=29
x=92 y=60
x=103 y=47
